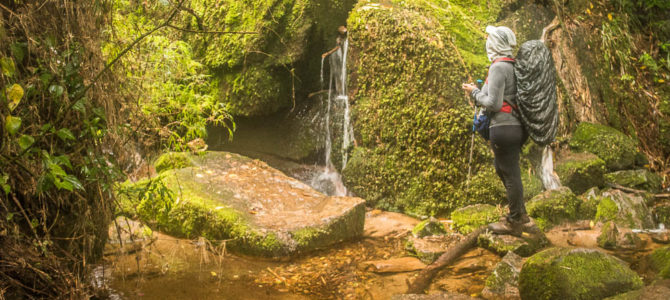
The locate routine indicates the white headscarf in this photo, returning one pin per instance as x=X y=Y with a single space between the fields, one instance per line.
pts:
x=500 y=42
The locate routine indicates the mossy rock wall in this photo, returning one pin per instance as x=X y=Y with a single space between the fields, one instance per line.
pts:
x=410 y=115
x=258 y=71
x=567 y=273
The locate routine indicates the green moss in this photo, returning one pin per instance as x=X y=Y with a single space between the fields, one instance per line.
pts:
x=660 y=261
x=608 y=236
x=429 y=227
x=172 y=160
x=615 y=148
x=581 y=171
x=553 y=207
x=525 y=246
x=638 y=179
x=469 y=218
x=588 y=208
x=607 y=210
x=565 y=273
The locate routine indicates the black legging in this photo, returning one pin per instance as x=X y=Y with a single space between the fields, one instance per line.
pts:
x=506 y=142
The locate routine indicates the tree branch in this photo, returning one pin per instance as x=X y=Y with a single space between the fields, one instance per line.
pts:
x=207 y=31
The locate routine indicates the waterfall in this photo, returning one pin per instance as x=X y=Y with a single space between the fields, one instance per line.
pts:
x=549 y=178
x=329 y=179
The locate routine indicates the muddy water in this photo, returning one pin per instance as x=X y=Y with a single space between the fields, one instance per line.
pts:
x=163 y=267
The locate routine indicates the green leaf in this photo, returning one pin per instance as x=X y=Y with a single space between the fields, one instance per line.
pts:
x=12 y=124
x=65 y=134
x=7 y=65
x=19 y=51
x=15 y=93
x=74 y=182
x=79 y=106
x=56 y=171
x=56 y=90
x=26 y=141
x=63 y=185
x=63 y=160
x=3 y=183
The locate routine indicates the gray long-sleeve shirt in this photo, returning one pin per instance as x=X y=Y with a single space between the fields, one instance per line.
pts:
x=501 y=86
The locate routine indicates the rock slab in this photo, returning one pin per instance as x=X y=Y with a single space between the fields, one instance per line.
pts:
x=504 y=281
x=257 y=209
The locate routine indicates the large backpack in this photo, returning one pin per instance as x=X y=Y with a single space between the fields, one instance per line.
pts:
x=536 y=91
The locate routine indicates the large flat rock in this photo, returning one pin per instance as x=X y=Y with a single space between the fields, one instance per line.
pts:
x=257 y=209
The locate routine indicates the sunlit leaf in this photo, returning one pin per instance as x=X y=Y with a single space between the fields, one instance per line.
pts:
x=12 y=124
x=65 y=134
x=7 y=65
x=14 y=94
x=79 y=106
x=3 y=183
x=26 y=141
x=63 y=185
x=74 y=182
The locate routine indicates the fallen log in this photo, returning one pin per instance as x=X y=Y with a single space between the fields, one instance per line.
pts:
x=426 y=275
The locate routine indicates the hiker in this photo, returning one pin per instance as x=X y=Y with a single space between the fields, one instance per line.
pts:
x=506 y=132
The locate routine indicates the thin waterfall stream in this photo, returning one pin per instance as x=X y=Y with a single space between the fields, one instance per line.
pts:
x=336 y=117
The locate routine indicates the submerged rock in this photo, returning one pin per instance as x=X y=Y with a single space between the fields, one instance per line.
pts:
x=428 y=249
x=471 y=217
x=660 y=261
x=257 y=209
x=637 y=179
x=657 y=291
x=381 y=224
x=575 y=273
x=612 y=146
x=626 y=210
x=504 y=281
x=526 y=245
x=553 y=207
x=581 y=171
x=394 y=265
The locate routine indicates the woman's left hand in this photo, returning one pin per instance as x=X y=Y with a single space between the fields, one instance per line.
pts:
x=468 y=87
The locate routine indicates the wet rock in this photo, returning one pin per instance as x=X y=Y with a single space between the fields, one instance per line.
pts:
x=504 y=281
x=471 y=217
x=660 y=261
x=608 y=236
x=553 y=207
x=626 y=210
x=637 y=179
x=575 y=273
x=388 y=224
x=258 y=209
x=429 y=227
x=128 y=236
x=447 y=296
x=657 y=291
x=661 y=237
x=580 y=171
x=612 y=146
x=428 y=249
x=394 y=265
x=526 y=245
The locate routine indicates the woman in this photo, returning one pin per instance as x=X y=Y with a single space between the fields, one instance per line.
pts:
x=506 y=132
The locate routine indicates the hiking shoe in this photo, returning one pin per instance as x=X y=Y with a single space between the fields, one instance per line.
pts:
x=510 y=226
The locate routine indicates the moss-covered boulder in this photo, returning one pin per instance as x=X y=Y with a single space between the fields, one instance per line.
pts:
x=428 y=249
x=608 y=236
x=409 y=59
x=659 y=290
x=612 y=146
x=172 y=160
x=580 y=171
x=471 y=217
x=429 y=227
x=569 y=273
x=261 y=211
x=525 y=245
x=660 y=261
x=637 y=179
x=553 y=207
x=626 y=210
x=503 y=283
x=589 y=205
